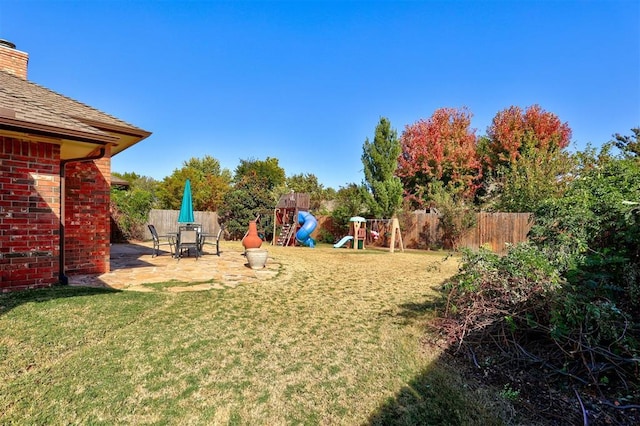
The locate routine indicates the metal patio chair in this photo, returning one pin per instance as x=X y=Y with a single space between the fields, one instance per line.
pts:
x=158 y=241
x=216 y=243
x=188 y=238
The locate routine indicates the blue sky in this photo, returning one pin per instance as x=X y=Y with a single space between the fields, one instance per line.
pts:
x=306 y=82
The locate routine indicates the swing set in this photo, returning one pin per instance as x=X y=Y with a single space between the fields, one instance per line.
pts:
x=392 y=227
x=358 y=234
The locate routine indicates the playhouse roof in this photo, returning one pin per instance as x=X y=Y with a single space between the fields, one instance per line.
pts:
x=294 y=200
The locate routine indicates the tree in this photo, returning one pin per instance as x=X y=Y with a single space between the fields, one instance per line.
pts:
x=137 y=181
x=268 y=171
x=441 y=148
x=513 y=133
x=531 y=179
x=525 y=158
x=247 y=200
x=255 y=193
x=591 y=217
x=307 y=183
x=209 y=184
x=130 y=207
x=629 y=145
x=383 y=190
x=349 y=203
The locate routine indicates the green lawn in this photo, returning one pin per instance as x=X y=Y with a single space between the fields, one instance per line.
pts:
x=336 y=338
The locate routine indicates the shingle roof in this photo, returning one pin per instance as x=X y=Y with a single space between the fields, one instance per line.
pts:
x=31 y=104
x=116 y=181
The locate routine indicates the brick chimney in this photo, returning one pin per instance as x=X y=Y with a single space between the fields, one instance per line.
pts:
x=13 y=61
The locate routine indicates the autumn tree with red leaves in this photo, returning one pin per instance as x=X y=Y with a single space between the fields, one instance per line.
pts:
x=524 y=158
x=439 y=152
x=513 y=133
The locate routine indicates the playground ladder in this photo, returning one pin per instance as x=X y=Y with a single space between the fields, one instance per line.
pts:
x=292 y=231
x=284 y=233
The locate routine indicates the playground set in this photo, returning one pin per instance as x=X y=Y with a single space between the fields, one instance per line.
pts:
x=293 y=224
x=358 y=233
x=292 y=218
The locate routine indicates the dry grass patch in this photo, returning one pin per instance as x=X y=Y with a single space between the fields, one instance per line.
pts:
x=332 y=339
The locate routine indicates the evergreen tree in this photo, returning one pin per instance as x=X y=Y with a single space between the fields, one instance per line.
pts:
x=380 y=159
x=254 y=193
x=629 y=145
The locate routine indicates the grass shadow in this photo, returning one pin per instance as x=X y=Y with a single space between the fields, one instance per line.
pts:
x=408 y=313
x=411 y=311
x=11 y=300
x=437 y=396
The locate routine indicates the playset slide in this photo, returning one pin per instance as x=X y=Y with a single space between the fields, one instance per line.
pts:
x=343 y=241
x=309 y=223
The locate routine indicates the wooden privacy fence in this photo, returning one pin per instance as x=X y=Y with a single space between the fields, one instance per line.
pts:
x=167 y=221
x=492 y=230
x=419 y=229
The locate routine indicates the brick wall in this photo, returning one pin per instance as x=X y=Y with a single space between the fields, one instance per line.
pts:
x=29 y=214
x=87 y=217
x=13 y=61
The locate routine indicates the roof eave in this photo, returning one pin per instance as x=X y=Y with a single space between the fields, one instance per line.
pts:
x=126 y=136
x=130 y=131
x=55 y=132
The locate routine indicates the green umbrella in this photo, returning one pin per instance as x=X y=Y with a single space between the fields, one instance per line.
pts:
x=186 y=209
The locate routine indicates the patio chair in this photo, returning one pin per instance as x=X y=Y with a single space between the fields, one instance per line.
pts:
x=157 y=241
x=216 y=243
x=188 y=238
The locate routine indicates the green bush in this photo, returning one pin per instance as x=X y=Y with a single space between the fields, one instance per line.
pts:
x=493 y=291
x=349 y=202
x=594 y=238
x=325 y=236
x=574 y=290
x=130 y=210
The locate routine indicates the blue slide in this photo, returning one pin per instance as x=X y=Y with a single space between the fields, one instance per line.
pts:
x=309 y=223
x=343 y=241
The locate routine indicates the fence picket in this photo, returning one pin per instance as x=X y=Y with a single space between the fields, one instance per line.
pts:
x=166 y=221
x=419 y=229
x=492 y=230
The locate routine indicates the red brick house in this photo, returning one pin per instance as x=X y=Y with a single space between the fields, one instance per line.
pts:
x=55 y=177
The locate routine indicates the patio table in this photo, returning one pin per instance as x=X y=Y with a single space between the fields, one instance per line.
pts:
x=202 y=237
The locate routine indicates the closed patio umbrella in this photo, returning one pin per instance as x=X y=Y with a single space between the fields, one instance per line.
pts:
x=186 y=209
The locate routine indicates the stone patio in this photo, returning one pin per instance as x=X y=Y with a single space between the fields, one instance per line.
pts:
x=133 y=265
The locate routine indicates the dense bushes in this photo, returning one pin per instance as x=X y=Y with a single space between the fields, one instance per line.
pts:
x=569 y=299
x=130 y=210
x=491 y=292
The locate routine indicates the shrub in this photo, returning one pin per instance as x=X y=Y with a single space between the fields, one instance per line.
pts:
x=130 y=210
x=325 y=236
x=571 y=295
x=492 y=291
